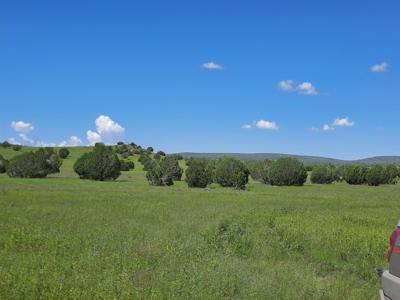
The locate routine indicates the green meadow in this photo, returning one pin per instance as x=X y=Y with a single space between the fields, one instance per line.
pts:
x=66 y=238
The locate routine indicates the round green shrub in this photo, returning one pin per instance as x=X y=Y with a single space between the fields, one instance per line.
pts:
x=375 y=175
x=3 y=164
x=231 y=172
x=63 y=153
x=157 y=177
x=122 y=148
x=149 y=150
x=148 y=164
x=391 y=174
x=287 y=171
x=198 y=174
x=323 y=174
x=100 y=164
x=170 y=166
x=34 y=164
x=355 y=175
x=127 y=165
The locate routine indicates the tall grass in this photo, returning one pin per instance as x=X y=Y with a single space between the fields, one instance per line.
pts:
x=62 y=237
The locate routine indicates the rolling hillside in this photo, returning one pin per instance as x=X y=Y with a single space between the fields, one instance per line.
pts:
x=304 y=158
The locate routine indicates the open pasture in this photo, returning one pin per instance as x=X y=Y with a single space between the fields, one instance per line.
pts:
x=62 y=237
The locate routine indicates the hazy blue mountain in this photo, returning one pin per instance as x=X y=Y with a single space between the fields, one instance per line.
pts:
x=304 y=158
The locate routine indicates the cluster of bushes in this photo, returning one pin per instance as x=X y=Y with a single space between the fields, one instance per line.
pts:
x=231 y=172
x=127 y=165
x=287 y=171
x=36 y=164
x=63 y=153
x=284 y=171
x=355 y=174
x=373 y=175
x=102 y=163
x=163 y=170
x=3 y=164
x=126 y=150
x=325 y=174
x=199 y=173
x=159 y=155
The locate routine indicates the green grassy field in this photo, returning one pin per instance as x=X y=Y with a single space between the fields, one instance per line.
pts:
x=62 y=237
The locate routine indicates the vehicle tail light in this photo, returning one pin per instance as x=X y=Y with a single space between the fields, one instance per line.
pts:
x=393 y=238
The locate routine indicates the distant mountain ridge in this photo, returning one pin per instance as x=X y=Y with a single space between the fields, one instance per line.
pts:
x=384 y=160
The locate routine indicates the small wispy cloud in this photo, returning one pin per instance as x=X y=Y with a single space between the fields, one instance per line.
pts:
x=13 y=141
x=73 y=141
x=22 y=127
x=338 y=122
x=380 y=68
x=211 y=66
x=326 y=127
x=267 y=125
x=287 y=85
x=45 y=144
x=262 y=124
x=305 y=88
x=343 y=122
x=25 y=138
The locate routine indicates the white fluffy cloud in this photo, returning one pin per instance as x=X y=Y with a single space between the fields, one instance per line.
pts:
x=93 y=137
x=44 y=144
x=380 y=68
x=268 y=125
x=105 y=125
x=338 y=122
x=305 y=88
x=211 y=66
x=247 y=126
x=106 y=131
x=25 y=138
x=22 y=127
x=343 y=122
x=73 y=141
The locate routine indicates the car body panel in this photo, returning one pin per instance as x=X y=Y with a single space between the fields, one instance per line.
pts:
x=391 y=286
x=394 y=267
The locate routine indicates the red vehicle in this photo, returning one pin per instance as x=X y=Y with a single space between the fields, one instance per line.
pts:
x=391 y=278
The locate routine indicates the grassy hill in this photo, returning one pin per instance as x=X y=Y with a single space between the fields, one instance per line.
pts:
x=62 y=237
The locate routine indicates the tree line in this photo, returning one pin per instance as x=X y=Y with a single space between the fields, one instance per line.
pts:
x=106 y=163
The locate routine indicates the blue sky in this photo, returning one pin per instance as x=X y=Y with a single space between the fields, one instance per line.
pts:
x=307 y=77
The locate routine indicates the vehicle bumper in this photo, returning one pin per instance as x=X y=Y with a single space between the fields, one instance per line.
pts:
x=390 y=287
x=382 y=296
